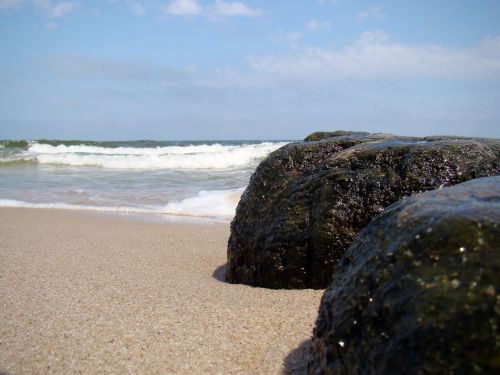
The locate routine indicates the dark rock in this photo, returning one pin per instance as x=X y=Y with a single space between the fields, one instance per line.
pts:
x=307 y=200
x=417 y=292
x=318 y=136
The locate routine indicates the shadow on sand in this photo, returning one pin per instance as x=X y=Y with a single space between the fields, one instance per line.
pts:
x=220 y=273
x=295 y=363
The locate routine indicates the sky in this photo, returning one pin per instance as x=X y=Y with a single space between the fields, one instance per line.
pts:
x=249 y=69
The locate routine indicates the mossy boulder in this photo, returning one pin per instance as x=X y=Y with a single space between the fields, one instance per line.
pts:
x=306 y=201
x=417 y=292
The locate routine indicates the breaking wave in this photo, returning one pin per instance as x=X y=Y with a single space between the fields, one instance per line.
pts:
x=190 y=157
x=182 y=180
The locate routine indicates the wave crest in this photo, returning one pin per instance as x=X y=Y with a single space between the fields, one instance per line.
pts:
x=214 y=156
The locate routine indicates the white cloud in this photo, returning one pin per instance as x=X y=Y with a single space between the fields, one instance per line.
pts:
x=184 y=8
x=61 y=9
x=329 y=1
x=222 y=8
x=375 y=12
x=11 y=4
x=375 y=55
x=219 y=8
x=57 y=10
x=191 y=8
x=137 y=9
x=315 y=25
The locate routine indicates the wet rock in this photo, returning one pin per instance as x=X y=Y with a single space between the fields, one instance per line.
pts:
x=307 y=200
x=318 y=136
x=417 y=292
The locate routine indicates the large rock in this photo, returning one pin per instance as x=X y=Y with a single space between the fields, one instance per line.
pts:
x=318 y=136
x=306 y=201
x=417 y=292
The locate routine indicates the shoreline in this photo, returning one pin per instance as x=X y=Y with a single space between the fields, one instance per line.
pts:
x=141 y=216
x=99 y=292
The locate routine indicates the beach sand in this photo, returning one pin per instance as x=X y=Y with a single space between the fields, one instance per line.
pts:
x=83 y=292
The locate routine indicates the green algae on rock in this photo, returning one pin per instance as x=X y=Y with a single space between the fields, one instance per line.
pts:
x=306 y=201
x=418 y=289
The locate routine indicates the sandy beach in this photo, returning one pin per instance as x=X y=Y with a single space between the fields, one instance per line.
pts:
x=83 y=292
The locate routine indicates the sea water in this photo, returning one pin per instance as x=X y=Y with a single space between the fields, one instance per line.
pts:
x=168 y=179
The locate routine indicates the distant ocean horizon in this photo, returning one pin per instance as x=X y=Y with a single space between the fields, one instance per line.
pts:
x=170 y=179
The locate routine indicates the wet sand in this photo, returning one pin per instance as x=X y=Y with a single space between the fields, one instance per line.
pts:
x=83 y=292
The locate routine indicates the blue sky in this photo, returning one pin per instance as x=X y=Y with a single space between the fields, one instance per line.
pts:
x=224 y=69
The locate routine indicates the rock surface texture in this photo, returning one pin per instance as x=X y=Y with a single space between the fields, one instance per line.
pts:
x=307 y=200
x=318 y=136
x=417 y=292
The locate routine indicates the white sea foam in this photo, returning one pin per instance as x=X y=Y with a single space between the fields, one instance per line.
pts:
x=174 y=157
x=198 y=182
x=67 y=206
x=218 y=203
x=42 y=148
x=17 y=157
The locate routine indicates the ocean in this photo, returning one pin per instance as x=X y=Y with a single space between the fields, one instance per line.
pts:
x=167 y=179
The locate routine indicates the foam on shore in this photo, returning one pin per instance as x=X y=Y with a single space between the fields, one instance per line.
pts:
x=219 y=205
